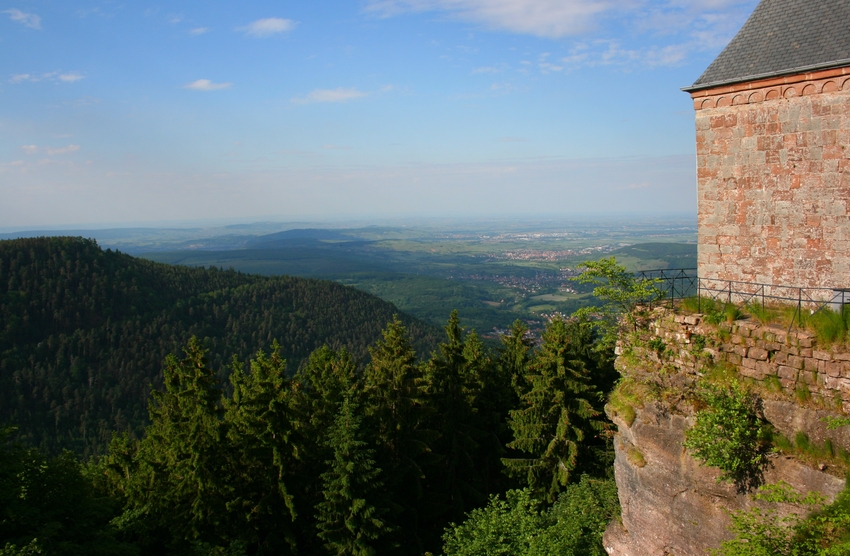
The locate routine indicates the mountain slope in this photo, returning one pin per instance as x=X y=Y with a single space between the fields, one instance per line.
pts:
x=83 y=332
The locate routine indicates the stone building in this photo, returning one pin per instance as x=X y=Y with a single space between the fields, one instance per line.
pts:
x=773 y=163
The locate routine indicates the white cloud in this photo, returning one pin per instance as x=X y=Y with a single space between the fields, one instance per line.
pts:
x=543 y=18
x=29 y=149
x=174 y=18
x=30 y=20
x=70 y=77
x=487 y=69
x=62 y=150
x=199 y=31
x=206 y=85
x=330 y=95
x=268 y=26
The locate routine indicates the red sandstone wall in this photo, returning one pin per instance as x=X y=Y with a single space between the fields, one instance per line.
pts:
x=773 y=180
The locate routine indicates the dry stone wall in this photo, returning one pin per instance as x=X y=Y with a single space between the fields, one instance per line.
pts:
x=671 y=503
x=773 y=181
x=760 y=352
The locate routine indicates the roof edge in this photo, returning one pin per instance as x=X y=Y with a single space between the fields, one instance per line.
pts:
x=790 y=71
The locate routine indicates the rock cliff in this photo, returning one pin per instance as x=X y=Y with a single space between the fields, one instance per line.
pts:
x=671 y=503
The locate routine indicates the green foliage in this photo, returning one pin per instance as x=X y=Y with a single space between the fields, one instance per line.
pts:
x=825 y=531
x=830 y=326
x=698 y=342
x=350 y=519
x=559 y=419
x=32 y=549
x=731 y=434
x=621 y=291
x=657 y=345
x=50 y=505
x=84 y=332
x=833 y=423
x=716 y=312
x=517 y=525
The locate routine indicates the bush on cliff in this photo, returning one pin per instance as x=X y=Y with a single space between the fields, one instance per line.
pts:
x=731 y=434
x=518 y=526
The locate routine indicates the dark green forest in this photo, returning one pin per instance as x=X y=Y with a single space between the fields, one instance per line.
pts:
x=84 y=332
x=217 y=413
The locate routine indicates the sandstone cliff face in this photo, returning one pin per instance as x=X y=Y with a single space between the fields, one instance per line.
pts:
x=671 y=504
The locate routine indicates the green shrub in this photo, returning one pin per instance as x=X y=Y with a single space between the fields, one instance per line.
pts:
x=829 y=326
x=731 y=434
x=697 y=343
x=763 y=531
x=657 y=345
x=519 y=526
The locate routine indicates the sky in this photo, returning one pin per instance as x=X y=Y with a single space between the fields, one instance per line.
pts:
x=142 y=112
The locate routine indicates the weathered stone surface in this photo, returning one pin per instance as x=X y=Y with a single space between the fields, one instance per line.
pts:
x=674 y=505
x=758 y=354
x=772 y=187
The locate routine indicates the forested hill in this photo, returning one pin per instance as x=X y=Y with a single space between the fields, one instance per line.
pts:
x=83 y=332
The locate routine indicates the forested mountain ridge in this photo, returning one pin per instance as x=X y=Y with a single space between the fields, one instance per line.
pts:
x=84 y=332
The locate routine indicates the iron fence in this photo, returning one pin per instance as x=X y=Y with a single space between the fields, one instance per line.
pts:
x=680 y=283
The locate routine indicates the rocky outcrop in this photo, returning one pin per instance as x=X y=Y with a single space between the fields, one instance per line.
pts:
x=672 y=505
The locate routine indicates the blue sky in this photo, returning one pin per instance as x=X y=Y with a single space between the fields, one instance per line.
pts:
x=131 y=112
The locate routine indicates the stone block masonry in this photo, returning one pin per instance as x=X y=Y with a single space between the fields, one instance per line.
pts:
x=773 y=173
x=760 y=352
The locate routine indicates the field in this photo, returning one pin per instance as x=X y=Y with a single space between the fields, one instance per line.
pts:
x=493 y=272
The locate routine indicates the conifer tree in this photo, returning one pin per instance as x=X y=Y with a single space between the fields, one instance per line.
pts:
x=453 y=479
x=350 y=518
x=318 y=391
x=514 y=355
x=396 y=411
x=262 y=454
x=560 y=414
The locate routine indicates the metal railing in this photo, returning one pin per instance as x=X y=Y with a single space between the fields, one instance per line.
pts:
x=681 y=283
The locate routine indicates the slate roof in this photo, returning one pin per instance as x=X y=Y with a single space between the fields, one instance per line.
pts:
x=783 y=37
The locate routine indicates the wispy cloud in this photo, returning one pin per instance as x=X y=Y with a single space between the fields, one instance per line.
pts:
x=543 y=18
x=268 y=26
x=199 y=31
x=206 y=85
x=51 y=151
x=67 y=77
x=648 y=32
x=488 y=69
x=30 y=20
x=330 y=95
x=61 y=150
x=642 y=185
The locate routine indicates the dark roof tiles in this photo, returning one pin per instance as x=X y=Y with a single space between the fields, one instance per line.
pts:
x=783 y=37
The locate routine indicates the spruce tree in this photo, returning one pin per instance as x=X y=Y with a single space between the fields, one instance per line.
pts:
x=262 y=454
x=559 y=416
x=350 y=518
x=514 y=355
x=396 y=411
x=453 y=480
x=177 y=483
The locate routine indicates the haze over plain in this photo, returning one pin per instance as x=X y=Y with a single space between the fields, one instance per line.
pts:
x=169 y=111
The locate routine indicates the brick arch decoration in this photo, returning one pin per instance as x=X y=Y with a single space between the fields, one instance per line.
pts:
x=765 y=90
